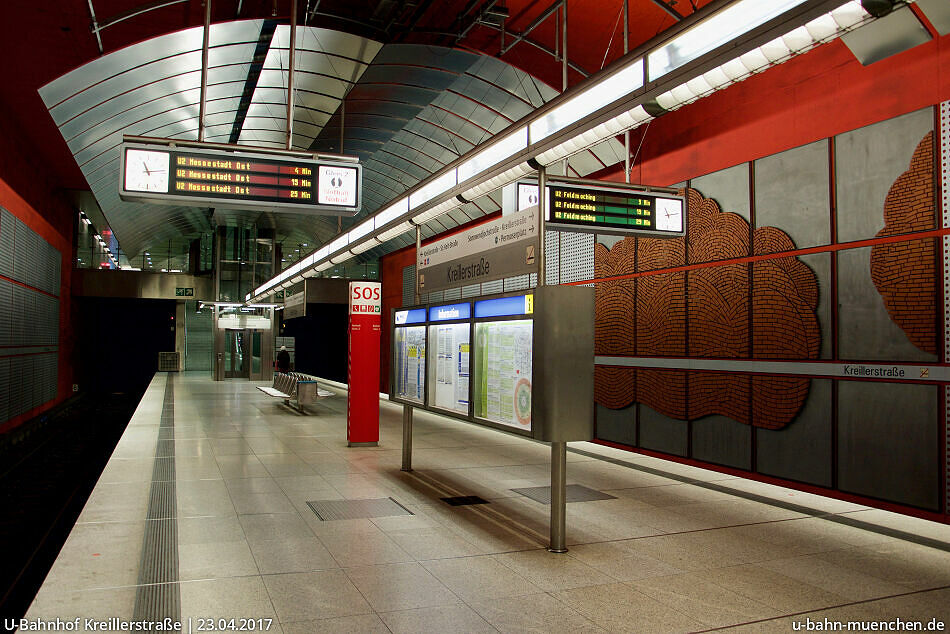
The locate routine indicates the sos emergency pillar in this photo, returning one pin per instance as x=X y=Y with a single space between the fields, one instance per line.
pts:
x=362 y=408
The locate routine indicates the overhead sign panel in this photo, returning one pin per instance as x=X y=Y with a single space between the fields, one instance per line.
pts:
x=222 y=179
x=501 y=248
x=614 y=210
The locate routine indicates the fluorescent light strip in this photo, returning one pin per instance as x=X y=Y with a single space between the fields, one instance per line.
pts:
x=342 y=257
x=336 y=245
x=588 y=101
x=365 y=246
x=436 y=211
x=494 y=154
x=709 y=34
x=508 y=176
x=391 y=212
x=820 y=30
x=713 y=32
x=433 y=188
x=362 y=229
x=394 y=232
x=610 y=128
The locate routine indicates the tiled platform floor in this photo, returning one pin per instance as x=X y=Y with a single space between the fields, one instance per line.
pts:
x=675 y=551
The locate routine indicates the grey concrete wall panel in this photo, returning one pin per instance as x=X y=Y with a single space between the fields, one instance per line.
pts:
x=820 y=264
x=802 y=450
x=723 y=441
x=888 y=442
x=6 y=313
x=21 y=371
x=199 y=338
x=608 y=241
x=6 y=243
x=138 y=284
x=728 y=187
x=867 y=162
x=474 y=290
x=552 y=257
x=323 y=290
x=516 y=283
x=938 y=12
x=793 y=193
x=24 y=308
x=409 y=285
x=491 y=288
x=889 y=35
x=617 y=425
x=6 y=392
x=662 y=433
x=865 y=330
x=577 y=257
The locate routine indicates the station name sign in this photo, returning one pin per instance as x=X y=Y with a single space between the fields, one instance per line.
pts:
x=497 y=249
x=217 y=178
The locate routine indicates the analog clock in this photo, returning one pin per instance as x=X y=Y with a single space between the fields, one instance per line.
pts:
x=146 y=171
x=669 y=215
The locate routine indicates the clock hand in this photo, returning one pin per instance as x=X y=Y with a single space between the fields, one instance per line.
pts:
x=145 y=167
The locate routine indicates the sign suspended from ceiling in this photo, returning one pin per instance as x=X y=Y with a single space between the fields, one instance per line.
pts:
x=201 y=177
x=593 y=207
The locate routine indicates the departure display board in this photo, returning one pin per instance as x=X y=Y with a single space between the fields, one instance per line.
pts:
x=613 y=210
x=213 y=178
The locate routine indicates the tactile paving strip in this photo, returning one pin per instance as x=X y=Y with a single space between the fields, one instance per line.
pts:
x=575 y=493
x=329 y=510
x=157 y=596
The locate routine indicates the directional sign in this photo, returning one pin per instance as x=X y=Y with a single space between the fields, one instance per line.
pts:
x=498 y=249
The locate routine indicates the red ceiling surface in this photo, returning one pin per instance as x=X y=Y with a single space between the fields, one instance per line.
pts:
x=48 y=38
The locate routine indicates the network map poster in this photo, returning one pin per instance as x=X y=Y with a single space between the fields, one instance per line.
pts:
x=503 y=351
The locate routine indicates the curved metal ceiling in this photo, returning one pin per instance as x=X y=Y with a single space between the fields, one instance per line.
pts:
x=407 y=111
x=153 y=89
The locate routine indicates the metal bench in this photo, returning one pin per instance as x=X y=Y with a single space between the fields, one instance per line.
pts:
x=298 y=390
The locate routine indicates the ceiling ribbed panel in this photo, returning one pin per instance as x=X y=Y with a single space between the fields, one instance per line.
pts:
x=154 y=88
x=409 y=111
x=149 y=89
x=326 y=65
x=417 y=109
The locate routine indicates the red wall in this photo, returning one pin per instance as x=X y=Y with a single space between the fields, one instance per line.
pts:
x=817 y=95
x=390 y=273
x=27 y=192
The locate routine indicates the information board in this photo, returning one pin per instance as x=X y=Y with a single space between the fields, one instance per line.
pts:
x=613 y=210
x=409 y=344
x=449 y=366
x=502 y=372
x=218 y=178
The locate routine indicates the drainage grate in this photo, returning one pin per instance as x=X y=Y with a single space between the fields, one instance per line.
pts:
x=575 y=493
x=328 y=510
x=464 y=500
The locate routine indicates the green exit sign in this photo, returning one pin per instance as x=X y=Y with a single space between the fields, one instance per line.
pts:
x=184 y=292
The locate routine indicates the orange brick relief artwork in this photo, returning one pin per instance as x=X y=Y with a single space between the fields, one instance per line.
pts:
x=905 y=272
x=705 y=313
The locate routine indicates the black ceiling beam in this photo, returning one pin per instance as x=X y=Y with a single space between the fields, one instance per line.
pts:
x=668 y=7
x=253 y=76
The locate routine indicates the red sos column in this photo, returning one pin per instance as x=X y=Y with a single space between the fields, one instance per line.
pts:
x=362 y=410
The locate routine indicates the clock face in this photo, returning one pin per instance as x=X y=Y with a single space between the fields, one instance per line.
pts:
x=146 y=171
x=669 y=215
